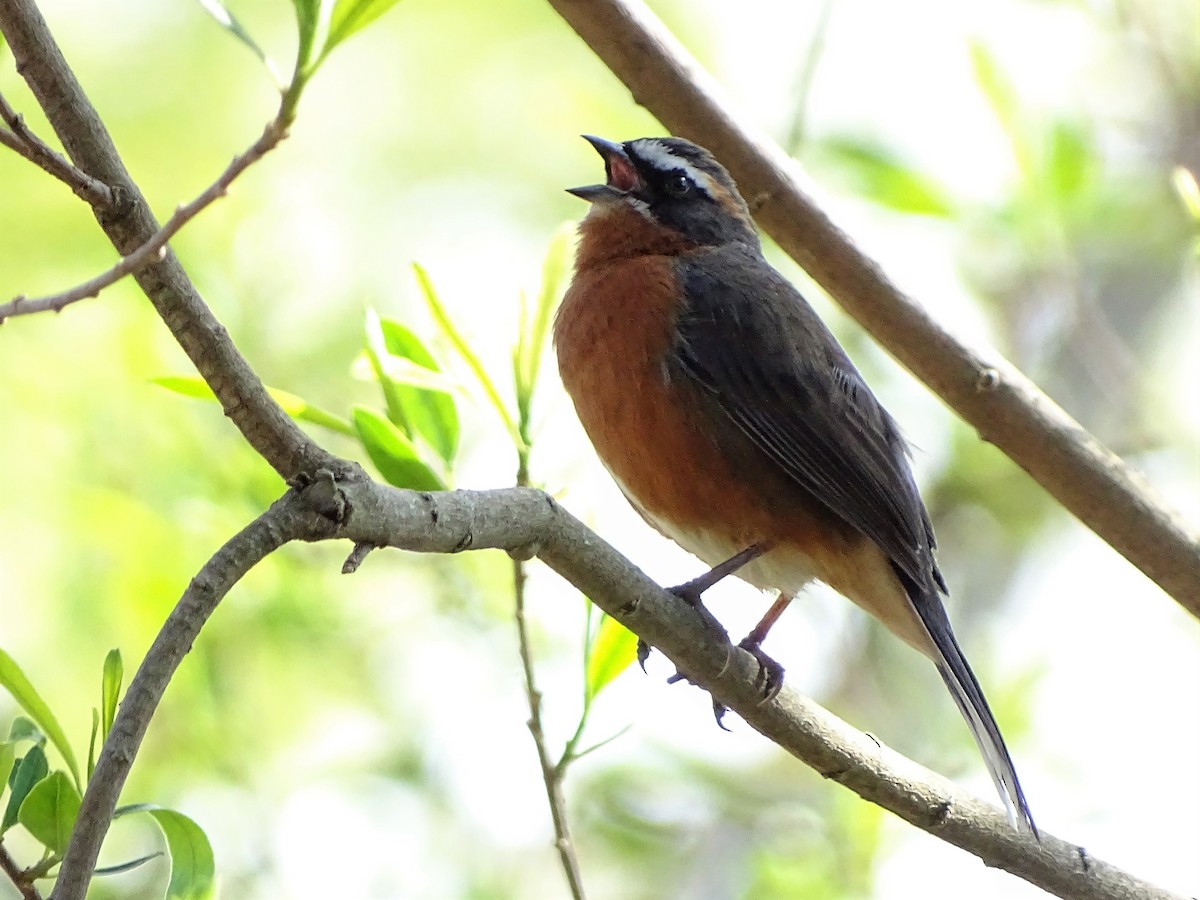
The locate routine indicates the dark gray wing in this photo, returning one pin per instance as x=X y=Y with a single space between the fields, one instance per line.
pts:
x=776 y=372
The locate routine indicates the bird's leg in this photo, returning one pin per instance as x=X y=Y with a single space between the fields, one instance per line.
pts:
x=770 y=673
x=690 y=591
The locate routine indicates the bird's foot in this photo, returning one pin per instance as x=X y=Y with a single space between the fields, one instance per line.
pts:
x=770 y=673
x=769 y=679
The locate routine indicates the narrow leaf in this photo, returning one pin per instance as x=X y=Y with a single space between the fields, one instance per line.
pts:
x=1002 y=98
x=308 y=21
x=612 y=651
x=8 y=756
x=15 y=682
x=442 y=317
x=110 y=690
x=1069 y=159
x=531 y=342
x=296 y=407
x=375 y=351
x=128 y=866
x=1188 y=190
x=50 y=809
x=393 y=453
x=880 y=177
x=28 y=771
x=229 y=22
x=91 y=757
x=350 y=16
x=430 y=409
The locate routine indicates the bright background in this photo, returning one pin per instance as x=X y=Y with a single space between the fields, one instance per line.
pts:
x=364 y=737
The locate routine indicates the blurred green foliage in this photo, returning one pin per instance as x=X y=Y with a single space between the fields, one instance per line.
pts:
x=365 y=737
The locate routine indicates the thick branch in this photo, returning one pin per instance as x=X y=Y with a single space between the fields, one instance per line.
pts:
x=287 y=520
x=130 y=224
x=1002 y=404
x=523 y=521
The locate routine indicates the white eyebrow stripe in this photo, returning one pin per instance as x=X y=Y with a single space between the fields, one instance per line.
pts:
x=659 y=156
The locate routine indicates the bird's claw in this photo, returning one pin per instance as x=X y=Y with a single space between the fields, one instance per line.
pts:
x=643 y=653
x=770 y=673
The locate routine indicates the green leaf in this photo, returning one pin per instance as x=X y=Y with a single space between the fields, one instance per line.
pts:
x=879 y=176
x=15 y=682
x=127 y=866
x=296 y=407
x=50 y=809
x=531 y=341
x=308 y=21
x=229 y=22
x=91 y=757
x=110 y=690
x=1188 y=190
x=1002 y=98
x=431 y=412
x=612 y=651
x=442 y=317
x=193 y=870
x=24 y=728
x=350 y=16
x=1069 y=159
x=8 y=756
x=29 y=770
x=393 y=453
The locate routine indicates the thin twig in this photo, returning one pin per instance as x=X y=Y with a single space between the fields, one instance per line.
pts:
x=21 y=139
x=155 y=247
x=18 y=876
x=290 y=518
x=1006 y=408
x=551 y=773
x=130 y=223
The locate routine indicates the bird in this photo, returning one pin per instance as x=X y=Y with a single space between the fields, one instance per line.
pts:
x=733 y=421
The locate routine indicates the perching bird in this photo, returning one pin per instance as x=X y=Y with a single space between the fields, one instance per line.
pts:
x=734 y=422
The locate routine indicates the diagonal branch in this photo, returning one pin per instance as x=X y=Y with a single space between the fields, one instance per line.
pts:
x=130 y=224
x=522 y=522
x=155 y=246
x=1005 y=407
x=19 y=138
x=287 y=520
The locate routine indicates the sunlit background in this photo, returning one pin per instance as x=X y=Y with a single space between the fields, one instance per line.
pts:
x=1008 y=163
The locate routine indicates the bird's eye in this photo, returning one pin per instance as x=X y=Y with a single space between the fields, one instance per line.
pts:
x=677 y=186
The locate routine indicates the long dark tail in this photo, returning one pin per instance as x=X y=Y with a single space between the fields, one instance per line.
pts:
x=968 y=695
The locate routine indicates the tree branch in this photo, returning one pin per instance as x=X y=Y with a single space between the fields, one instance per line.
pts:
x=986 y=390
x=154 y=248
x=18 y=876
x=129 y=224
x=521 y=521
x=22 y=140
x=288 y=519
x=524 y=521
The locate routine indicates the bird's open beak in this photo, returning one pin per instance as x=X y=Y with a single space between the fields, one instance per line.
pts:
x=622 y=176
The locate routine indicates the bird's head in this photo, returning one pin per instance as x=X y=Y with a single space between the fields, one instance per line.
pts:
x=673 y=184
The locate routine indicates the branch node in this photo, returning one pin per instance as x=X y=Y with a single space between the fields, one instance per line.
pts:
x=465 y=542
x=987 y=380
x=1085 y=861
x=356 y=557
x=325 y=498
x=526 y=552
